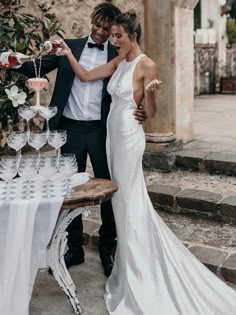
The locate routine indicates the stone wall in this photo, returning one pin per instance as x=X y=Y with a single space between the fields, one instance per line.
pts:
x=208 y=70
x=205 y=64
x=75 y=18
x=230 y=69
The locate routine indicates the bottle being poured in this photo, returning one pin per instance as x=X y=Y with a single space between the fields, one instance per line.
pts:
x=10 y=59
x=50 y=47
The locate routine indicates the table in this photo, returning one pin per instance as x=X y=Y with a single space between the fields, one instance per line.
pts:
x=29 y=228
x=94 y=192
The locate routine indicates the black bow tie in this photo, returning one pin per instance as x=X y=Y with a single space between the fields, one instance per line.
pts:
x=99 y=46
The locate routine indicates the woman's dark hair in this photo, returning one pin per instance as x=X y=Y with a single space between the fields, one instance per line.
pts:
x=106 y=11
x=130 y=23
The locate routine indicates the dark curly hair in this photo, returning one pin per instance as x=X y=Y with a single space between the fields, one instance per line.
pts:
x=106 y=11
x=130 y=23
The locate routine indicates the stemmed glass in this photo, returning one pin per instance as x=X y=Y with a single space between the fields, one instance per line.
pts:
x=47 y=113
x=7 y=161
x=7 y=173
x=37 y=84
x=27 y=169
x=68 y=168
x=37 y=140
x=48 y=169
x=17 y=140
x=67 y=158
x=27 y=112
x=57 y=138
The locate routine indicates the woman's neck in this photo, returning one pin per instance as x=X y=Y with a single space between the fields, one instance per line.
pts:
x=133 y=53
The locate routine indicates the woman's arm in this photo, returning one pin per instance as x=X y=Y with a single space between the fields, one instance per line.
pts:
x=150 y=86
x=97 y=73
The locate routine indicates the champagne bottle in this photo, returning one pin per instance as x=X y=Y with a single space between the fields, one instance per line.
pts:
x=11 y=59
x=51 y=47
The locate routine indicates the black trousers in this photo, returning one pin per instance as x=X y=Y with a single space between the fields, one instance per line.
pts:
x=85 y=138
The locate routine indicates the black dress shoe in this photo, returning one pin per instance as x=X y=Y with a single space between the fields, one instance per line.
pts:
x=72 y=259
x=107 y=264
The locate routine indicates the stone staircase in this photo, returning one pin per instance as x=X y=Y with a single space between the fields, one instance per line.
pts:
x=196 y=198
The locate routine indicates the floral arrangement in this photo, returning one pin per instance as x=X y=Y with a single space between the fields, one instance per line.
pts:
x=24 y=33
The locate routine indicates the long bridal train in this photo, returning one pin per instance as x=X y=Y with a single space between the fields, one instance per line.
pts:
x=154 y=274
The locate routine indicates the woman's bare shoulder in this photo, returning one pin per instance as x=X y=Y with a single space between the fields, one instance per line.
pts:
x=148 y=66
x=148 y=63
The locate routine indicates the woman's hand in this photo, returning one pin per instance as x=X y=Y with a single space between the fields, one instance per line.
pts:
x=152 y=86
x=65 y=49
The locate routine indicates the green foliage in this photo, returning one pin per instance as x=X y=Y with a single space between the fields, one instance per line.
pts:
x=22 y=32
x=231 y=30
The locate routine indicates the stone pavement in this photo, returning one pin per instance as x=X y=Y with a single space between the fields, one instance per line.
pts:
x=214 y=123
x=48 y=298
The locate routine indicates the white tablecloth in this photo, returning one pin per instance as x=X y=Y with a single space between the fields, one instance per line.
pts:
x=26 y=227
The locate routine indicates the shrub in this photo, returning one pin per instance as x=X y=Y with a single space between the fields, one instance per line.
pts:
x=21 y=32
x=231 y=30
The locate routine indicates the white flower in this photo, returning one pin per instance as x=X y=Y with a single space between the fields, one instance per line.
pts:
x=17 y=98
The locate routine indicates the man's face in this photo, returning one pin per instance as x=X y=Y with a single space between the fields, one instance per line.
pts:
x=100 y=31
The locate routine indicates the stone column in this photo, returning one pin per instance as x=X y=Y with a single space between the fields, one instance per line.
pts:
x=184 y=67
x=157 y=41
x=169 y=42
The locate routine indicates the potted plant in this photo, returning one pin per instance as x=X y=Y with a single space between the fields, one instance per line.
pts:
x=228 y=71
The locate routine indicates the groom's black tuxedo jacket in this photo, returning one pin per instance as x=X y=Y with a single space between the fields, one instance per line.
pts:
x=65 y=77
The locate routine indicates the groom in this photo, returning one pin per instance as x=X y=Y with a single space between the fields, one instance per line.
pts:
x=82 y=111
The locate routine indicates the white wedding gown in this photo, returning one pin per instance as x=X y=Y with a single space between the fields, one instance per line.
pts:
x=154 y=274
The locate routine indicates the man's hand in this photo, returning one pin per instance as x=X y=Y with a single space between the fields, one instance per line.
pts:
x=140 y=114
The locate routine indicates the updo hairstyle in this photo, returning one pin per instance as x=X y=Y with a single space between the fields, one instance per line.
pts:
x=130 y=23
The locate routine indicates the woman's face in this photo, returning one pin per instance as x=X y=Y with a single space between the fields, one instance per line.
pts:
x=121 y=40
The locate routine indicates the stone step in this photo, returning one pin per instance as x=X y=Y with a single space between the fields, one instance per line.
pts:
x=213 y=243
x=206 y=161
x=204 y=195
x=196 y=160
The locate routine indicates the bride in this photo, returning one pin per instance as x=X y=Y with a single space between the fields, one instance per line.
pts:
x=153 y=274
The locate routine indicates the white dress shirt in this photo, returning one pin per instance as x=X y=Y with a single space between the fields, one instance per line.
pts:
x=84 y=102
